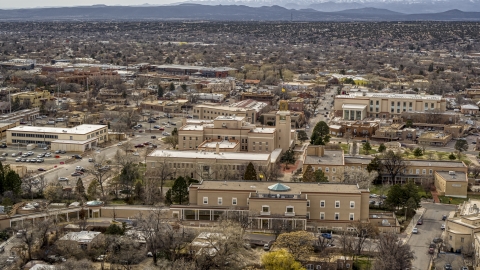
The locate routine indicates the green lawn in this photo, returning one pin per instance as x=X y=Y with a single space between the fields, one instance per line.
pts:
x=364 y=263
x=457 y=201
x=371 y=152
x=344 y=147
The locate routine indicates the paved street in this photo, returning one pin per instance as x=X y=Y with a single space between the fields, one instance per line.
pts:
x=432 y=221
x=327 y=103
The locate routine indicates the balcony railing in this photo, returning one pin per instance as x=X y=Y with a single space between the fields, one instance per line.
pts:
x=278 y=196
x=265 y=213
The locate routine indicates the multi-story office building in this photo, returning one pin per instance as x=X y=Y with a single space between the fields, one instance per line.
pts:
x=76 y=139
x=236 y=129
x=297 y=205
x=360 y=105
x=250 y=109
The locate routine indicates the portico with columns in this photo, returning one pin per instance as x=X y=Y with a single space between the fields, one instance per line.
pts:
x=354 y=111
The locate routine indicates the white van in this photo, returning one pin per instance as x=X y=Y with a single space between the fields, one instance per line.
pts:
x=60 y=120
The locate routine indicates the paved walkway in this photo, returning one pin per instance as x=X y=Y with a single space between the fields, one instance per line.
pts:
x=408 y=231
x=435 y=196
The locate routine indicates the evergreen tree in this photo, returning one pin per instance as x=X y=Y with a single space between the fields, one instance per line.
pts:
x=367 y=147
x=3 y=175
x=320 y=176
x=80 y=188
x=250 y=173
x=320 y=134
x=172 y=86
x=160 y=91
x=452 y=156
x=382 y=148
x=418 y=152
x=13 y=182
x=430 y=68
x=178 y=194
x=309 y=174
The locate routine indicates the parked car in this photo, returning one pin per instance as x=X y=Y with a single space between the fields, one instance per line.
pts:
x=119 y=144
x=447 y=266
x=442 y=227
x=437 y=240
x=91 y=160
x=136 y=154
x=444 y=217
x=76 y=174
x=464 y=268
x=63 y=152
x=420 y=222
x=139 y=146
x=431 y=248
x=415 y=230
x=101 y=258
x=18 y=159
x=62 y=179
x=153 y=137
x=327 y=235
x=41 y=169
x=57 y=152
x=77 y=157
x=5 y=155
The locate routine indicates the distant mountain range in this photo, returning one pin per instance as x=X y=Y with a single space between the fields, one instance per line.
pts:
x=403 y=6
x=224 y=13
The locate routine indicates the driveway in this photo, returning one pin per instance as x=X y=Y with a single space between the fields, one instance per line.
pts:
x=432 y=221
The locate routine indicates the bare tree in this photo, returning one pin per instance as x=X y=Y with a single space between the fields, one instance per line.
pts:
x=359 y=176
x=162 y=171
x=392 y=253
x=101 y=170
x=394 y=164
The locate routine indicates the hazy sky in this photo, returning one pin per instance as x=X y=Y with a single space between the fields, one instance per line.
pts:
x=5 y=4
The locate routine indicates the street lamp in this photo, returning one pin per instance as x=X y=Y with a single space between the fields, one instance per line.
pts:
x=261 y=176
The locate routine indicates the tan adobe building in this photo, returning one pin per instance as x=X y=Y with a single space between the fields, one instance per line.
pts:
x=462 y=228
x=34 y=98
x=297 y=119
x=417 y=170
x=197 y=134
x=331 y=162
x=75 y=139
x=434 y=138
x=451 y=183
x=321 y=206
x=216 y=165
x=469 y=109
x=359 y=105
x=265 y=96
x=354 y=129
x=164 y=105
x=250 y=109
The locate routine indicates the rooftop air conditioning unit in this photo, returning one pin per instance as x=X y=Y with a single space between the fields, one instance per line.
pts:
x=451 y=172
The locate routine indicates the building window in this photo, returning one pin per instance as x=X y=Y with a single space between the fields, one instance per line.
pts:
x=319 y=267
x=327 y=169
x=308 y=203
x=309 y=266
x=351 y=217
x=220 y=200
x=424 y=171
x=333 y=178
x=322 y=204
x=430 y=171
x=234 y=201
x=337 y=216
x=290 y=210
x=337 y=204
x=352 y=204
x=205 y=200
x=417 y=171
x=322 y=215
x=334 y=170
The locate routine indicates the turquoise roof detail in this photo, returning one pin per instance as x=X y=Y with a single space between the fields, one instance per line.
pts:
x=279 y=187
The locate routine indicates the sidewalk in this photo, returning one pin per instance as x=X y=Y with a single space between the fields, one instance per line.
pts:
x=435 y=196
x=408 y=231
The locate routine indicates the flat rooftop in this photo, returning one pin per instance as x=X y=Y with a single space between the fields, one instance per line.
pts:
x=211 y=155
x=262 y=187
x=229 y=118
x=457 y=177
x=192 y=127
x=80 y=130
x=433 y=135
x=334 y=157
x=221 y=144
x=390 y=95
x=263 y=130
